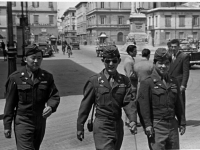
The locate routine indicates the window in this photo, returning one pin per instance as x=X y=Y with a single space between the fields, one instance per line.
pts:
x=149 y=21
x=103 y=19
x=36 y=19
x=51 y=19
x=102 y=4
x=50 y=4
x=73 y=14
x=181 y=35
x=181 y=21
x=120 y=20
x=13 y=4
x=167 y=35
x=195 y=20
x=35 y=4
x=120 y=5
x=156 y=21
x=73 y=27
x=36 y=38
x=120 y=37
x=195 y=35
x=167 y=21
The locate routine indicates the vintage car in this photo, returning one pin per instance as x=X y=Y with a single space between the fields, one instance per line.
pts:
x=191 y=48
x=46 y=48
x=75 y=45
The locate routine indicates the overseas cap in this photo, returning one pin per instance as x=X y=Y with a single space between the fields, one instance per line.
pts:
x=110 y=51
x=32 y=49
x=161 y=54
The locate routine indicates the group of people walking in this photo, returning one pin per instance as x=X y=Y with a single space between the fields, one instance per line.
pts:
x=153 y=91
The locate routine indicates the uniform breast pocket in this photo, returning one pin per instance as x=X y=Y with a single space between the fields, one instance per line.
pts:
x=103 y=96
x=119 y=94
x=157 y=96
x=24 y=93
x=42 y=92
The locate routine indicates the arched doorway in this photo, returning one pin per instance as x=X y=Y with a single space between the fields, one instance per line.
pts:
x=120 y=37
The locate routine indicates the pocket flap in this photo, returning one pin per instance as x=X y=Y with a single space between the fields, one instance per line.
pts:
x=43 y=87
x=158 y=91
x=23 y=87
x=103 y=90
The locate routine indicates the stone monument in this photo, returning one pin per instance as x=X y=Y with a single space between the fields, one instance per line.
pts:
x=137 y=28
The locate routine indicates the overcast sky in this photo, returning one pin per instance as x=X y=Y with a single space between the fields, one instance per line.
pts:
x=63 y=6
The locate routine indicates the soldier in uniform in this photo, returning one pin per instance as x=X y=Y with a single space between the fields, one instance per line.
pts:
x=31 y=97
x=159 y=105
x=109 y=91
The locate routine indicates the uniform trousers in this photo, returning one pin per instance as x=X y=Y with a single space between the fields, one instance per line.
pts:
x=108 y=134
x=29 y=132
x=165 y=135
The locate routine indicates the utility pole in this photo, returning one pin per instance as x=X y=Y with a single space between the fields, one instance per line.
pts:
x=12 y=52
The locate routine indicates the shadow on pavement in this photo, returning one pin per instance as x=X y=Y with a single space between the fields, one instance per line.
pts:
x=193 y=123
x=69 y=76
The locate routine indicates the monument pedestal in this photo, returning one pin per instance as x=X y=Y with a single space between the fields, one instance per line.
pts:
x=137 y=31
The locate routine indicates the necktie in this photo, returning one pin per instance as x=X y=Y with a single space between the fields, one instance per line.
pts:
x=32 y=76
x=174 y=58
x=111 y=81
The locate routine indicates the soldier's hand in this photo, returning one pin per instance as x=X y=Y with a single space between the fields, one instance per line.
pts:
x=47 y=112
x=80 y=135
x=182 y=129
x=7 y=133
x=133 y=127
x=182 y=88
x=149 y=131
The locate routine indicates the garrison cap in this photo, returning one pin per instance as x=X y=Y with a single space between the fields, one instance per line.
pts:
x=110 y=51
x=32 y=49
x=161 y=54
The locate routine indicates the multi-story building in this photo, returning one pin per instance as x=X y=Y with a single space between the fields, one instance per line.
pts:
x=42 y=19
x=69 y=24
x=172 y=22
x=109 y=18
x=3 y=20
x=81 y=21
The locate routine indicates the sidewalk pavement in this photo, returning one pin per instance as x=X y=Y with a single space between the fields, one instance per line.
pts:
x=61 y=131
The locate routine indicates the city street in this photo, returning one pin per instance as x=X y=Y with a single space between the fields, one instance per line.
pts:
x=70 y=75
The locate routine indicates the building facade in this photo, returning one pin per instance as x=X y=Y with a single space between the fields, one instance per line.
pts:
x=109 y=18
x=172 y=22
x=3 y=20
x=69 y=25
x=42 y=19
x=81 y=22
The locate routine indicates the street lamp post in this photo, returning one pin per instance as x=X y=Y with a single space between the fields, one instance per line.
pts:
x=11 y=50
x=22 y=24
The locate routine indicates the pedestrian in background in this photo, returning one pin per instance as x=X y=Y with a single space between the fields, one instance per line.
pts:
x=180 y=67
x=144 y=67
x=4 y=50
x=109 y=91
x=129 y=63
x=31 y=97
x=160 y=108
